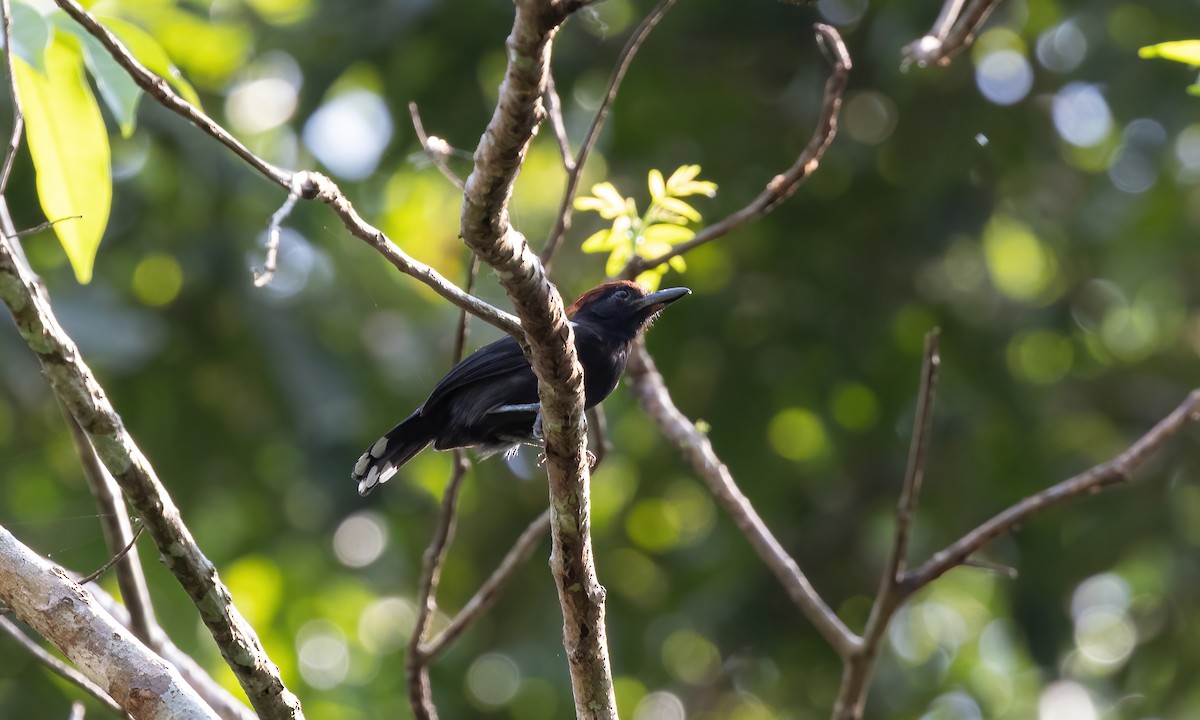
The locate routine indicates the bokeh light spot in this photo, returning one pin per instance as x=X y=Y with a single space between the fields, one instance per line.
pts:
x=1004 y=77
x=654 y=524
x=386 y=625
x=323 y=653
x=660 y=705
x=798 y=434
x=691 y=657
x=349 y=133
x=157 y=279
x=1081 y=115
x=870 y=117
x=854 y=406
x=1020 y=266
x=360 y=539
x=1066 y=701
x=493 y=680
x=1041 y=357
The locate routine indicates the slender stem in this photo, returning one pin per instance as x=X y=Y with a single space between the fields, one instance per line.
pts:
x=652 y=395
x=554 y=109
x=782 y=186
x=18 y=130
x=952 y=32
x=566 y=209
x=436 y=148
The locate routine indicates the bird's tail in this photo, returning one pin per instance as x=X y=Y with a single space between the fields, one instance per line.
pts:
x=384 y=458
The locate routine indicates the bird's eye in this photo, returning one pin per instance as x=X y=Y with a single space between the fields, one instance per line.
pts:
x=621 y=294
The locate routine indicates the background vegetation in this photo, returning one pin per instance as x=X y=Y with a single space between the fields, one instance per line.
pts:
x=1039 y=200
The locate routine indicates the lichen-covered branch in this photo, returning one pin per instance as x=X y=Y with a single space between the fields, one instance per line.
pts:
x=44 y=597
x=74 y=385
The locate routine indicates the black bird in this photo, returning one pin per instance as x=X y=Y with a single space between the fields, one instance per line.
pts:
x=489 y=400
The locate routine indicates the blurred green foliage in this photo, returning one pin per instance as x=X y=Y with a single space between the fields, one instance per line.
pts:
x=1039 y=199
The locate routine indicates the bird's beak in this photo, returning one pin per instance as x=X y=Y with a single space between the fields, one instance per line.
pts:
x=656 y=301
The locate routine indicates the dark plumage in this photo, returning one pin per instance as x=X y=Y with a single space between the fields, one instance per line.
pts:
x=489 y=400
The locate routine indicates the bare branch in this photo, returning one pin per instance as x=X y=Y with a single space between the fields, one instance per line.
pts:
x=857 y=670
x=598 y=431
x=310 y=185
x=486 y=230
x=489 y=592
x=217 y=697
x=263 y=276
x=567 y=207
x=555 y=110
x=951 y=33
x=436 y=148
x=14 y=141
x=74 y=384
x=417 y=668
x=140 y=682
x=1092 y=480
x=781 y=187
x=60 y=668
x=118 y=535
x=693 y=445
x=108 y=565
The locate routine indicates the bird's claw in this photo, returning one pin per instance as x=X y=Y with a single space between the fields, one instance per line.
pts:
x=591 y=459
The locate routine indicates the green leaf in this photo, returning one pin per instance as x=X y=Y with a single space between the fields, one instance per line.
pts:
x=1194 y=90
x=616 y=261
x=69 y=147
x=696 y=187
x=151 y=54
x=678 y=264
x=119 y=92
x=680 y=208
x=651 y=279
x=1184 y=51
x=30 y=35
x=683 y=175
x=606 y=201
x=602 y=241
x=668 y=233
x=657 y=189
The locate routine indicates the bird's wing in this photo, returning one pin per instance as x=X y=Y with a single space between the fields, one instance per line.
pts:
x=496 y=359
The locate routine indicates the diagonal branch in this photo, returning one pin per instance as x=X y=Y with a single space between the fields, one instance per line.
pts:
x=310 y=185
x=575 y=168
x=139 y=681
x=76 y=387
x=60 y=668
x=652 y=395
x=952 y=32
x=1114 y=471
x=782 y=186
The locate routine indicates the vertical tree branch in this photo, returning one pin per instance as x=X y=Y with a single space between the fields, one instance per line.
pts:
x=551 y=347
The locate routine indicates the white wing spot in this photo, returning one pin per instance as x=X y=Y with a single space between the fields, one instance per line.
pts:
x=360 y=467
x=379 y=446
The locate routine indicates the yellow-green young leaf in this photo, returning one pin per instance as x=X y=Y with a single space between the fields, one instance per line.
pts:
x=668 y=233
x=1194 y=89
x=602 y=241
x=651 y=279
x=650 y=250
x=616 y=261
x=613 y=203
x=657 y=188
x=1184 y=51
x=677 y=264
x=696 y=187
x=151 y=54
x=69 y=147
x=683 y=175
x=679 y=207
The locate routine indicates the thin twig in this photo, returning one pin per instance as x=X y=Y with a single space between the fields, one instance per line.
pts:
x=60 y=668
x=18 y=130
x=951 y=33
x=554 y=110
x=489 y=592
x=311 y=185
x=118 y=535
x=98 y=572
x=598 y=430
x=264 y=275
x=420 y=694
x=857 y=670
x=652 y=395
x=436 y=148
x=781 y=187
x=1114 y=471
x=566 y=209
